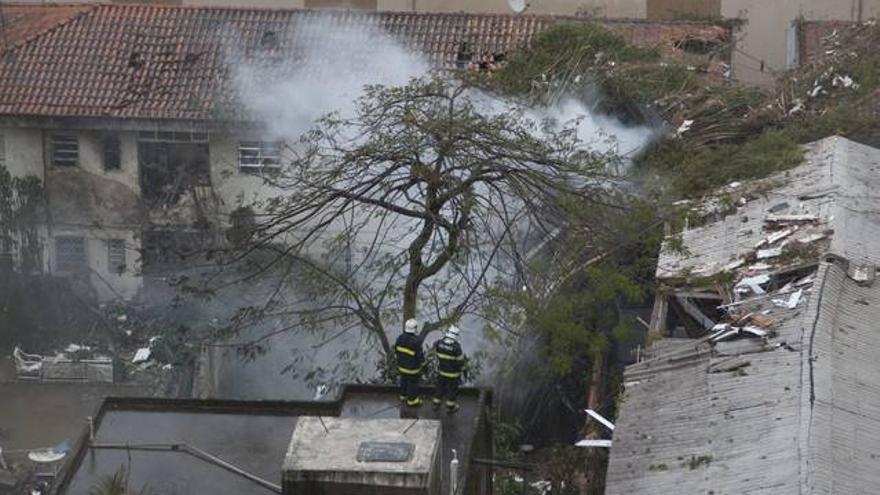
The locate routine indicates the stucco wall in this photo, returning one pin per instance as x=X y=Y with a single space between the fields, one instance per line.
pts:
x=767 y=24
x=86 y=201
x=233 y=186
x=107 y=283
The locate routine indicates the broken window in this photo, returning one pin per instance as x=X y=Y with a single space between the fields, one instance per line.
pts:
x=259 y=156
x=172 y=163
x=165 y=250
x=65 y=150
x=70 y=254
x=116 y=256
x=110 y=151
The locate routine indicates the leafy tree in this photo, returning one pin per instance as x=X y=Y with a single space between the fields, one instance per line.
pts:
x=415 y=206
x=20 y=207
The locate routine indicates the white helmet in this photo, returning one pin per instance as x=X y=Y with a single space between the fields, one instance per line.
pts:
x=411 y=326
x=452 y=332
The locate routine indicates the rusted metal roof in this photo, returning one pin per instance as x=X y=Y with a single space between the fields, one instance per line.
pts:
x=173 y=62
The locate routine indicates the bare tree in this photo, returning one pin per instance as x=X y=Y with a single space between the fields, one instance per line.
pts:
x=415 y=206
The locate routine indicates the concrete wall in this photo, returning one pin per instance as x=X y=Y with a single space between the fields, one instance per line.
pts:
x=85 y=201
x=767 y=24
x=105 y=281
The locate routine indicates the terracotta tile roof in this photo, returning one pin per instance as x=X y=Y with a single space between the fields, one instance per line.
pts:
x=21 y=22
x=171 y=62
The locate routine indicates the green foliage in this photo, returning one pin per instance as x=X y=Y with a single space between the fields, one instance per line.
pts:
x=583 y=320
x=20 y=207
x=565 y=463
x=564 y=50
x=115 y=484
x=693 y=172
x=506 y=438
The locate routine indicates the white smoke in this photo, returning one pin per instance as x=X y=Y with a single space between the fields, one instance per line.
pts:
x=328 y=75
x=338 y=61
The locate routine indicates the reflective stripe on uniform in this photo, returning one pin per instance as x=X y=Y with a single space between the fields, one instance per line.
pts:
x=446 y=374
x=405 y=350
x=450 y=357
x=409 y=371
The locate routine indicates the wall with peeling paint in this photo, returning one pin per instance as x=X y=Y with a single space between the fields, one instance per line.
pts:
x=86 y=201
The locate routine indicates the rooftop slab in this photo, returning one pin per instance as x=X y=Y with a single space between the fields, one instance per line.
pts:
x=181 y=446
x=399 y=453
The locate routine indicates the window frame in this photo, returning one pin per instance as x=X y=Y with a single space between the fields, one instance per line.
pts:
x=111 y=151
x=118 y=266
x=260 y=158
x=67 y=266
x=58 y=140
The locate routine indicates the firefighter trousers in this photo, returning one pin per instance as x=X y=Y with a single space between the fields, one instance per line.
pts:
x=409 y=389
x=447 y=389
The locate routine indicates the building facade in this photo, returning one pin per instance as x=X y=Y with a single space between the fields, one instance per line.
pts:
x=131 y=115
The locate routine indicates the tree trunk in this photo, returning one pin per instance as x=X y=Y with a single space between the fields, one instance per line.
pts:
x=592 y=428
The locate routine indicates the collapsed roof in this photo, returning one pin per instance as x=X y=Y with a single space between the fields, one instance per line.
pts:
x=759 y=227
x=783 y=398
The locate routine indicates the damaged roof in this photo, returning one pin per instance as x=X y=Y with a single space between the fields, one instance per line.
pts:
x=793 y=406
x=173 y=62
x=796 y=413
x=825 y=205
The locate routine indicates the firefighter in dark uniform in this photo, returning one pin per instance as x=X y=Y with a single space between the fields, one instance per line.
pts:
x=410 y=361
x=450 y=361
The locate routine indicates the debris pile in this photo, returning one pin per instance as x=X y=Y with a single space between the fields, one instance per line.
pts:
x=844 y=73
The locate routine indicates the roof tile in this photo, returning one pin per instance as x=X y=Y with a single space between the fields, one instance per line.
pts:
x=170 y=62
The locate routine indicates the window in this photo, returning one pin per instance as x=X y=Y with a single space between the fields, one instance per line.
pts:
x=172 y=163
x=110 y=151
x=116 y=256
x=259 y=156
x=65 y=150
x=70 y=254
x=173 y=137
x=2 y=150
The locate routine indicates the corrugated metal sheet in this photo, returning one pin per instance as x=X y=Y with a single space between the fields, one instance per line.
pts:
x=838 y=182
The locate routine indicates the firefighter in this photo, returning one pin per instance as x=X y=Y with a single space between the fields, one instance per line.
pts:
x=450 y=361
x=410 y=361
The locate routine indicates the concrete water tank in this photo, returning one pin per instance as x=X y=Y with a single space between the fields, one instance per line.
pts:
x=357 y=456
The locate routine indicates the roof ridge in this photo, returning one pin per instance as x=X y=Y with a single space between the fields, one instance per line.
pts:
x=86 y=9
x=247 y=8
